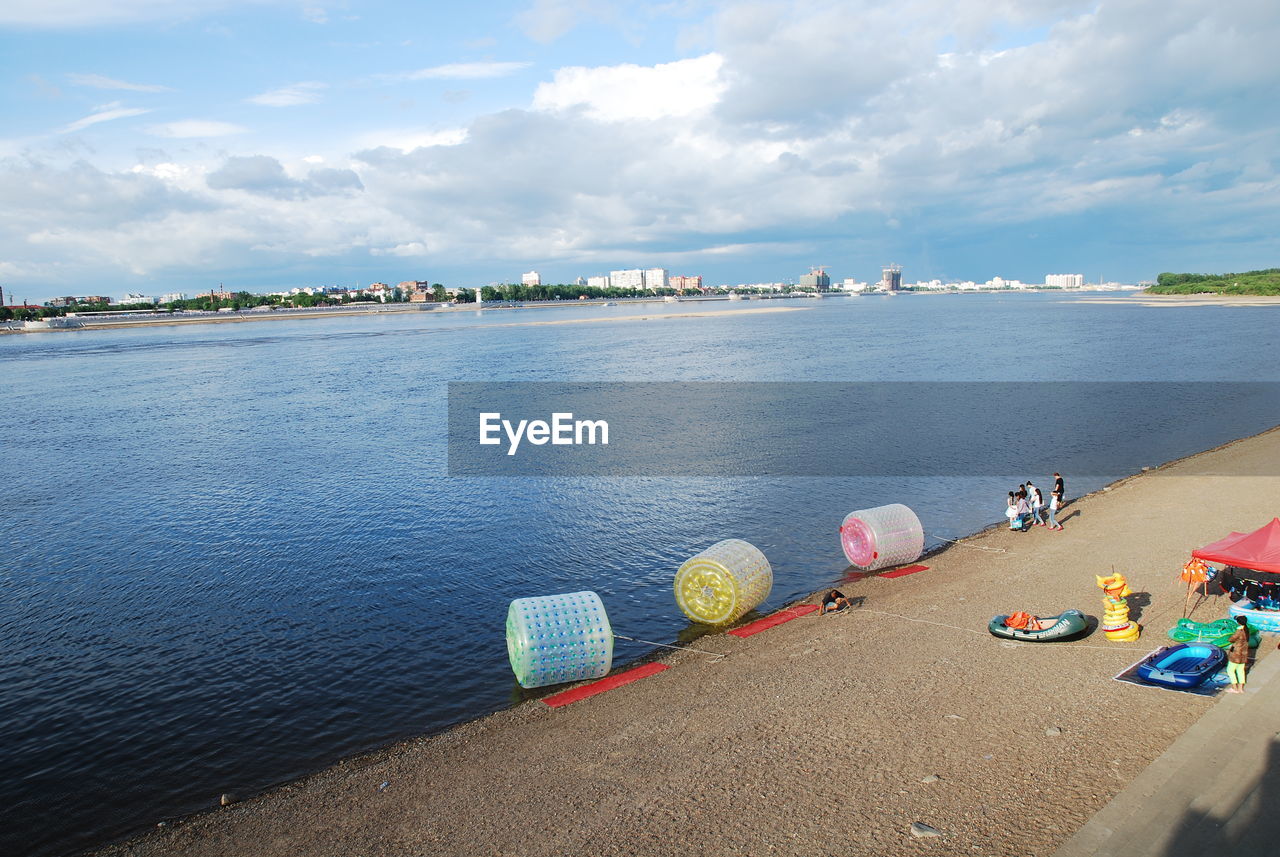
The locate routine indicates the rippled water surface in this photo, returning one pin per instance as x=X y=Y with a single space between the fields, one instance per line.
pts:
x=233 y=553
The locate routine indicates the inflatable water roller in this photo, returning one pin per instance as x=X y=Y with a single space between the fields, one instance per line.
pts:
x=553 y=639
x=882 y=536
x=723 y=582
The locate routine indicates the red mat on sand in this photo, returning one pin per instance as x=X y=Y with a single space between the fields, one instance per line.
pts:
x=565 y=697
x=773 y=621
x=902 y=572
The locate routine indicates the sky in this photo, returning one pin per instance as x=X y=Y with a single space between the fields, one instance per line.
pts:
x=161 y=146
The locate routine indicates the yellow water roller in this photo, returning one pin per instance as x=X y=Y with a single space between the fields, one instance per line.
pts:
x=723 y=582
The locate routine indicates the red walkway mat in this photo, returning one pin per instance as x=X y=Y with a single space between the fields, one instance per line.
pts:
x=902 y=572
x=773 y=621
x=565 y=697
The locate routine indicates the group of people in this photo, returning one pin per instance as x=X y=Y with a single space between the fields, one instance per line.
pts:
x=1027 y=506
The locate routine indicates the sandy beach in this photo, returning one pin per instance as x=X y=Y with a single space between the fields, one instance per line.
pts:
x=1144 y=299
x=822 y=736
x=302 y=315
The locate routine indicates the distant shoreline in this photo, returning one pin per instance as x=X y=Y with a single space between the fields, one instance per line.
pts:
x=290 y=315
x=1124 y=298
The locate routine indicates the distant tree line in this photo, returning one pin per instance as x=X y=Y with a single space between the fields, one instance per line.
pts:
x=211 y=303
x=1266 y=282
x=562 y=291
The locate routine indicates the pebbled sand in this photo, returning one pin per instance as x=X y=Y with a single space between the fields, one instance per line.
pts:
x=813 y=738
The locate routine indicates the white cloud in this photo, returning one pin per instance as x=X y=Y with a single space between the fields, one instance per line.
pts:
x=97 y=81
x=185 y=128
x=622 y=92
x=412 y=248
x=810 y=122
x=406 y=140
x=64 y=14
x=105 y=113
x=464 y=71
x=306 y=92
x=545 y=21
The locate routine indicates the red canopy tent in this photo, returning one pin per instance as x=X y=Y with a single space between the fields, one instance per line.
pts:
x=1259 y=550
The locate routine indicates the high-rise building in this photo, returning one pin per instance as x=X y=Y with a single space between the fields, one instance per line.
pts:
x=686 y=283
x=816 y=279
x=531 y=278
x=891 y=278
x=599 y=282
x=1064 y=281
x=656 y=278
x=632 y=278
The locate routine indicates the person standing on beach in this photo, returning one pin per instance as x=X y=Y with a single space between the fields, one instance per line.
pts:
x=1030 y=488
x=1059 y=488
x=1023 y=510
x=1055 y=503
x=1238 y=656
x=1037 y=506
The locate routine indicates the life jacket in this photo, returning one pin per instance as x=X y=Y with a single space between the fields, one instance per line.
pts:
x=1018 y=620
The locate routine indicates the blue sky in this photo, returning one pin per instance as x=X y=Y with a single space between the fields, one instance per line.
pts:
x=157 y=146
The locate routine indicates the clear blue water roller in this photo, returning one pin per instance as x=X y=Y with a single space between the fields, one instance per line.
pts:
x=552 y=639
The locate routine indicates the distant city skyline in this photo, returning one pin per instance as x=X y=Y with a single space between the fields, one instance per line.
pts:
x=165 y=146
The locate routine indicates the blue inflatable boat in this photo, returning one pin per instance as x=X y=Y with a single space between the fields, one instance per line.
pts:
x=1186 y=665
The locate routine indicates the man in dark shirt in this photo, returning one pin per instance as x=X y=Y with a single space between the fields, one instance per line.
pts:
x=833 y=600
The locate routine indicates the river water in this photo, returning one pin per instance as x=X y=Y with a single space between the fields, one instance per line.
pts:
x=234 y=553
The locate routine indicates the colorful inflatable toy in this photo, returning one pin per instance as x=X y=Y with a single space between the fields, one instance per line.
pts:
x=882 y=536
x=1215 y=633
x=1115 y=619
x=557 y=638
x=1033 y=629
x=1267 y=621
x=723 y=582
x=1185 y=665
x=1020 y=522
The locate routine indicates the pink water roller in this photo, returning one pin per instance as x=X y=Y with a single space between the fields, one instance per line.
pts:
x=882 y=537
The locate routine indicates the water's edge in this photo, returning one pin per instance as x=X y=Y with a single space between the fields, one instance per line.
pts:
x=376 y=753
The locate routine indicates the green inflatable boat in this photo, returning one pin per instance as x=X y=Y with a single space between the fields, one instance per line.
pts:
x=1043 y=630
x=1216 y=633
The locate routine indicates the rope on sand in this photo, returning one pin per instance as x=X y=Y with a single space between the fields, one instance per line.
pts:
x=1013 y=643
x=715 y=656
x=966 y=544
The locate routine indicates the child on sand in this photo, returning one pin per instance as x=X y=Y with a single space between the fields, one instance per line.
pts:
x=1037 y=506
x=1055 y=503
x=1238 y=656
